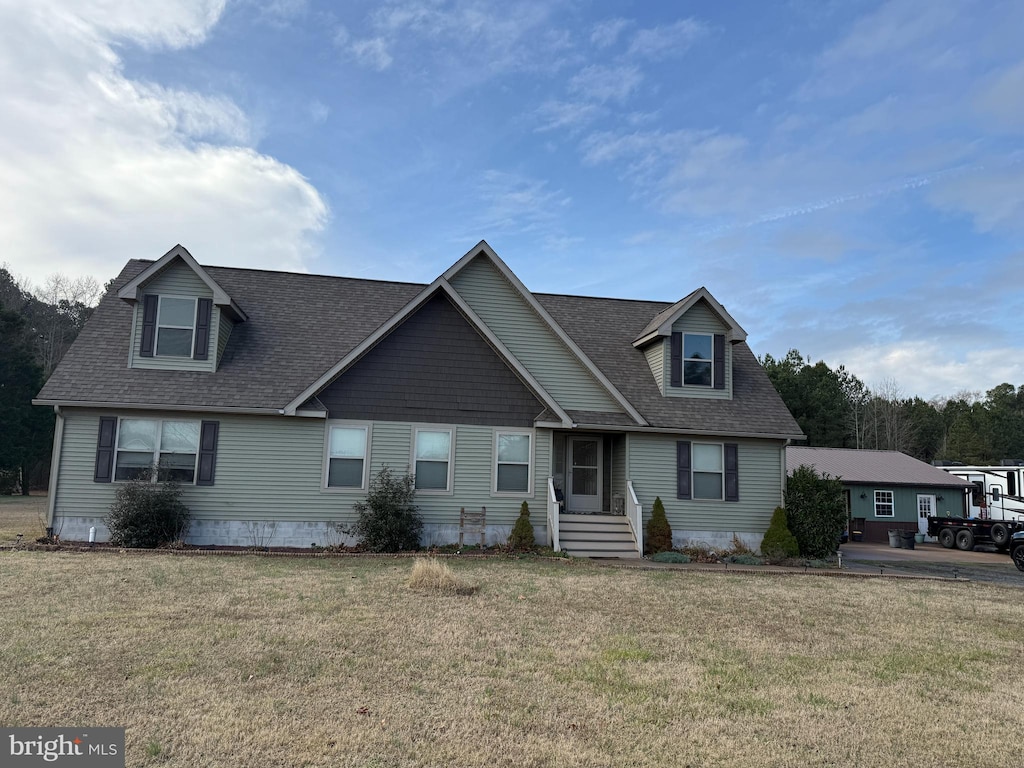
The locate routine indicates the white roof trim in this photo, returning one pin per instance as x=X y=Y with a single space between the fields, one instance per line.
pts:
x=677 y=310
x=132 y=291
x=440 y=284
x=482 y=248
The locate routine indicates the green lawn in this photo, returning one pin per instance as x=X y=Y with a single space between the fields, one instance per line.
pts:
x=250 y=661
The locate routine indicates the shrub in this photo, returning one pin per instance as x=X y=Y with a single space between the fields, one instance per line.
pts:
x=815 y=510
x=778 y=542
x=432 y=575
x=659 y=532
x=744 y=559
x=522 y=537
x=147 y=515
x=669 y=556
x=387 y=521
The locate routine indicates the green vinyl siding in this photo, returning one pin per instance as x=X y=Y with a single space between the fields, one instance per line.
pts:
x=178 y=279
x=224 y=326
x=652 y=468
x=655 y=354
x=904 y=502
x=530 y=339
x=700 y=319
x=271 y=468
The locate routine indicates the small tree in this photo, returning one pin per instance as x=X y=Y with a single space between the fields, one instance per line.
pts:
x=779 y=543
x=815 y=510
x=522 y=537
x=659 y=532
x=388 y=521
x=147 y=515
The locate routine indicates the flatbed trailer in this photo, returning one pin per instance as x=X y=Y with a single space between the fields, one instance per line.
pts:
x=965 y=532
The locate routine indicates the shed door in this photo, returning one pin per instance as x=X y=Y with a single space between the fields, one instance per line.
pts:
x=925 y=509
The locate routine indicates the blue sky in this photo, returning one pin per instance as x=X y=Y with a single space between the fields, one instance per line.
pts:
x=846 y=177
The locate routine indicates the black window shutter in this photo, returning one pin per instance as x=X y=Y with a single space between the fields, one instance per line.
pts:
x=204 y=312
x=677 y=359
x=683 y=469
x=149 y=304
x=208 y=435
x=104 y=471
x=719 y=361
x=732 y=472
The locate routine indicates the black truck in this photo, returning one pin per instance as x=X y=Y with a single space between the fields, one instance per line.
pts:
x=1017 y=549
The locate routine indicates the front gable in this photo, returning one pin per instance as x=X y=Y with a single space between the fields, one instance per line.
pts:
x=535 y=339
x=432 y=368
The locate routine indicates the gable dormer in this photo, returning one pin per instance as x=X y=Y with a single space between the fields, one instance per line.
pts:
x=181 y=317
x=689 y=347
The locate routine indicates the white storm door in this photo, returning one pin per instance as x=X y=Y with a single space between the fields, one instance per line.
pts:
x=585 y=474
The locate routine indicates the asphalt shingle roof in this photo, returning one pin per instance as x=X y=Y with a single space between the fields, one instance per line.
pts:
x=860 y=467
x=301 y=325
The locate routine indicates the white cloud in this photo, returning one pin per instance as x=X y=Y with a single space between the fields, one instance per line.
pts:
x=668 y=40
x=1002 y=97
x=372 y=53
x=601 y=83
x=992 y=196
x=97 y=168
x=519 y=203
x=607 y=32
x=565 y=114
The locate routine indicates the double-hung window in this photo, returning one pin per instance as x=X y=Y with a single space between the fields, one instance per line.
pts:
x=346 y=462
x=884 y=504
x=433 y=459
x=175 y=326
x=512 y=462
x=708 y=471
x=697 y=359
x=157 y=450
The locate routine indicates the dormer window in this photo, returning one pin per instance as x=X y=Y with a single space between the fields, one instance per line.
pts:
x=175 y=326
x=697 y=358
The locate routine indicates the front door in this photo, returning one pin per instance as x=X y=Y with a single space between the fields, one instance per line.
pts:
x=925 y=509
x=584 y=474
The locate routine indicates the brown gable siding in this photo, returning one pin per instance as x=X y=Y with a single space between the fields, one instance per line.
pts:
x=434 y=368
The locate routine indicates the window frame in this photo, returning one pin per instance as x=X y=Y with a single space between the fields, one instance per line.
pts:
x=720 y=473
x=154 y=476
x=326 y=469
x=449 y=489
x=710 y=361
x=891 y=503
x=530 y=491
x=157 y=325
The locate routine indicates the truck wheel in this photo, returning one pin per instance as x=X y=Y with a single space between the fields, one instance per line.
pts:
x=964 y=540
x=1000 y=535
x=1018 y=557
x=947 y=538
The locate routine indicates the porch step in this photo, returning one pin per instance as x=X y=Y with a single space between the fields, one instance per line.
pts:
x=596 y=536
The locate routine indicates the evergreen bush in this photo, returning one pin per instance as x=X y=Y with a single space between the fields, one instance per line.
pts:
x=522 y=537
x=659 y=532
x=778 y=542
x=388 y=521
x=815 y=510
x=669 y=556
x=146 y=514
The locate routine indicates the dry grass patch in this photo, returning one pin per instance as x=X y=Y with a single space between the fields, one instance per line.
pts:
x=432 y=575
x=249 y=661
x=22 y=514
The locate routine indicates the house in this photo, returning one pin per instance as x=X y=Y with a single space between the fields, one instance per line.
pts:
x=273 y=398
x=885 y=489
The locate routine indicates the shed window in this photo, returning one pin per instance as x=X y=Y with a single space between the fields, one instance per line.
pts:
x=884 y=504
